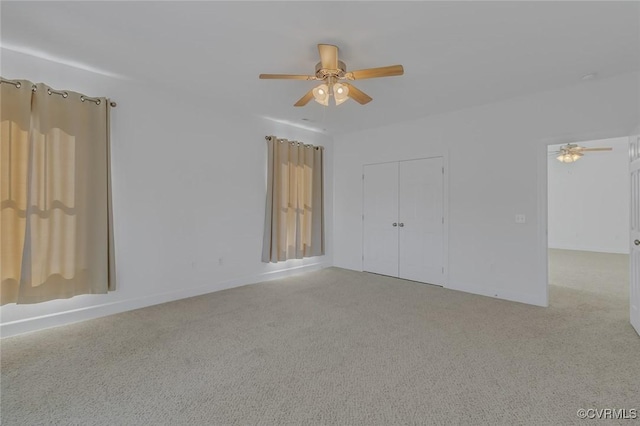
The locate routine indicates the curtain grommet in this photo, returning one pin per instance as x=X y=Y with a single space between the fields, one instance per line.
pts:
x=65 y=95
x=95 y=101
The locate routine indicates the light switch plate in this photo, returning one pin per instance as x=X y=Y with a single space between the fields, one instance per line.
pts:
x=520 y=218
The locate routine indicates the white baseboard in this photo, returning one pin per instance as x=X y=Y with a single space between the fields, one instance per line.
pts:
x=529 y=299
x=615 y=250
x=57 y=319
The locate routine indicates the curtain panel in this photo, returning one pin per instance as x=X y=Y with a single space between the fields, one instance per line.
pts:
x=294 y=212
x=56 y=234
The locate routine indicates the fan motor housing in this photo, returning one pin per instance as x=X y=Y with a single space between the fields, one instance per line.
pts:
x=323 y=73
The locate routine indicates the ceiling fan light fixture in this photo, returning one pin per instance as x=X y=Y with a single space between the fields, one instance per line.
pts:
x=569 y=157
x=329 y=71
x=340 y=93
x=321 y=94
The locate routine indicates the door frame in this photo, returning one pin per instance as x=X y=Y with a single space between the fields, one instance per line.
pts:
x=543 y=200
x=634 y=234
x=445 y=209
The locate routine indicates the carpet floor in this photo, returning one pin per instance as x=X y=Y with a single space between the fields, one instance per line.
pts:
x=333 y=347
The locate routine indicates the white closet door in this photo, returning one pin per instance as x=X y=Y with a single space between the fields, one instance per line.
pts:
x=380 y=210
x=421 y=213
x=634 y=257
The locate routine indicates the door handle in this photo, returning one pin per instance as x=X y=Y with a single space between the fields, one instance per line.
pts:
x=401 y=224
x=636 y=242
x=394 y=224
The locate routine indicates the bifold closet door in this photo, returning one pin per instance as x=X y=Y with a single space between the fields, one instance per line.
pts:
x=421 y=221
x=380 y=219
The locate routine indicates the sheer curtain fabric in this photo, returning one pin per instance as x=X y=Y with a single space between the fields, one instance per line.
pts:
x=56 y=238
x=294 y=219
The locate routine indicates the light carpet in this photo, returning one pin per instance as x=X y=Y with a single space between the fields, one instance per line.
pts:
x=332 y=347
x=602 y=273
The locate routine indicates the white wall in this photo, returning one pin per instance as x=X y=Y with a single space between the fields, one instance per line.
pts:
x=589 y=199
x=496 y=153
x=189 y=179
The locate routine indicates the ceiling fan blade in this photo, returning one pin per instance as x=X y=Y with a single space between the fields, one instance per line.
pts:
x=286 y=77
x=358 y=95
x=328 y=56
x=593 y=149
x=305 y=99
x=389 y=71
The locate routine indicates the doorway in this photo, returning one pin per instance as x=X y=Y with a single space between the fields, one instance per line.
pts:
x=588 y=222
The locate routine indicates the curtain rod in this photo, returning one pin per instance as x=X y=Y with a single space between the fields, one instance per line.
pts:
x=295 y=142
x=50 y=91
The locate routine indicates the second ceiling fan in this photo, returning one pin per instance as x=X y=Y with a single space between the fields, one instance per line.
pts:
x=572 y=152
x=333 y=74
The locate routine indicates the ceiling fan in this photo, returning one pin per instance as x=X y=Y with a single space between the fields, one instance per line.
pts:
x=573 y=152
x=332 y=73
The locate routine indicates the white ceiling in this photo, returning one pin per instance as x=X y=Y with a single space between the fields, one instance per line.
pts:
x=455 y=54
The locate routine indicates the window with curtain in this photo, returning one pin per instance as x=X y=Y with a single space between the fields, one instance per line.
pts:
x=56 y=238
x=294 y=213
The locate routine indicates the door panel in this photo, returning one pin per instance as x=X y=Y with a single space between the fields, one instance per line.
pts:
x=380 y=245
x=421 y=212
x=634 y=257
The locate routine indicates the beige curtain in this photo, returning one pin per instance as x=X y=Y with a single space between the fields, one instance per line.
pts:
x=294 y=213
x=56 y=238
